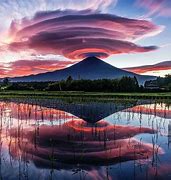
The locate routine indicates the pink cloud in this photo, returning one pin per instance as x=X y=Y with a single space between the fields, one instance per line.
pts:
x=27 y=67
x=79 y=34
x=150 y=68
x=156 y=7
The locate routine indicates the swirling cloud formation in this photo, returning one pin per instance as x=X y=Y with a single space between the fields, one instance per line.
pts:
x=78 y=34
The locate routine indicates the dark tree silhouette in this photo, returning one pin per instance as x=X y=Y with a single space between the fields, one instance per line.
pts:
x=69 y=79
x=125 y=84
x=5 y=81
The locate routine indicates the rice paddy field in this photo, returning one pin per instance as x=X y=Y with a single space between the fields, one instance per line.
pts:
x=102 y=95
x=49 y=137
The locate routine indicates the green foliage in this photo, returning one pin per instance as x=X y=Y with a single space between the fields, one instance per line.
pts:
x=169 y=86
x=125 y=84
x=27 y=86
x=128 y=84
x=5 y=81
x=69 y=79
x=164 y=82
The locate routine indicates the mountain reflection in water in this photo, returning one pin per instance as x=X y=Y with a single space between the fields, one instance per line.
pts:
x=58 y=135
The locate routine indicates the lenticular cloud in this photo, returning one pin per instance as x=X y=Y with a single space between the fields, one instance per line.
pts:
x=78 y=34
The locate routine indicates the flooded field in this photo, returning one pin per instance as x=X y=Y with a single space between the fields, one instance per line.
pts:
x=64 y=139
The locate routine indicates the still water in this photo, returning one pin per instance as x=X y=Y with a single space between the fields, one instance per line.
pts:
x=64 y=139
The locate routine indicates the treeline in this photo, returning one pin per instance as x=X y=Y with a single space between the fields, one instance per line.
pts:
x=125 y=84
x=161 y=83
x=164 y=82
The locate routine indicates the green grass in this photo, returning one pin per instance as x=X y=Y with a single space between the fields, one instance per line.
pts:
x=53 y=94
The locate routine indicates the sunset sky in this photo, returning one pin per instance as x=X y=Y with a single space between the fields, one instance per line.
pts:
x=44 y=35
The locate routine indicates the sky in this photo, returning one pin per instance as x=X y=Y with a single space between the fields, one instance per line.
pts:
x=46 y=35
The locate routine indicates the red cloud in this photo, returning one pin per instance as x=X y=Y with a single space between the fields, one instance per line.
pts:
x=27 y=67
x=77 y=34
x=149 y=68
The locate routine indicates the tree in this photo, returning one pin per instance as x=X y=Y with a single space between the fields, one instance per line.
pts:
x=6 y=81
x=136 y=83
x=169 y=86
x=69 y=79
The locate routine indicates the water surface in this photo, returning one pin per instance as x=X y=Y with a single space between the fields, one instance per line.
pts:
x=64 y=139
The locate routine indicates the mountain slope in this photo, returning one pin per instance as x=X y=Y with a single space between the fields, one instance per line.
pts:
x=90 y=68
x=91 y=112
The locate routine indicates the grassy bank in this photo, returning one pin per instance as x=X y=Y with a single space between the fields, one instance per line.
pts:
x=52 y=94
